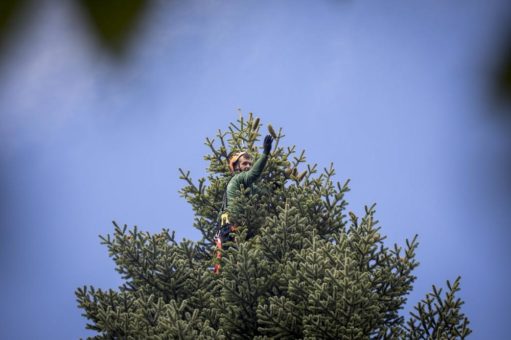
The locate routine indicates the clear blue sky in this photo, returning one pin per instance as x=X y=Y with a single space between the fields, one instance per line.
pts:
x=394 y=93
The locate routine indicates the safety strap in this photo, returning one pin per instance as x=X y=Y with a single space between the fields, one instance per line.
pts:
x=224 y=201
x=224 y=220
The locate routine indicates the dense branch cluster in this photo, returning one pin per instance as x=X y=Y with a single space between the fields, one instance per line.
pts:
x=299 y=267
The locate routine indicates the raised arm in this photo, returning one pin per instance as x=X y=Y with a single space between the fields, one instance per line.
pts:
x=252 y=175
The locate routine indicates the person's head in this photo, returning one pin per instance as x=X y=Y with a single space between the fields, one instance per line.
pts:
x=240 y=161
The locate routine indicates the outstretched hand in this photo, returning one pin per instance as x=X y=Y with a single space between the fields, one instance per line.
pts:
x=267 y=144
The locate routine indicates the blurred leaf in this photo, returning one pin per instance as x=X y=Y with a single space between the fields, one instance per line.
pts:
x=8 y=11
x=114 y=20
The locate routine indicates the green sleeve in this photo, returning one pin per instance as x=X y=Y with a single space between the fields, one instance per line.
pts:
x=252 y=175
x=246 y=178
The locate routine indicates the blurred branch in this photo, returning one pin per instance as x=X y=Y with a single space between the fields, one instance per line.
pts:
x=503 y=75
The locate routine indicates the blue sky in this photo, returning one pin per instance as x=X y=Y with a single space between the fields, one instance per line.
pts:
x=394 y=93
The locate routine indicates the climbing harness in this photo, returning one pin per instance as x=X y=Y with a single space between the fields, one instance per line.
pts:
x=223 y=234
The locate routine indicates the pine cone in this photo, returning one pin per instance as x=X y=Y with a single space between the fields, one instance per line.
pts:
x=272 y=132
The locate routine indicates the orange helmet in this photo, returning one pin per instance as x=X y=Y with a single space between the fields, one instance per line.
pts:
x=235 y=157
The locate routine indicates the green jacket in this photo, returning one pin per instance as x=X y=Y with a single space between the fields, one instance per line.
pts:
x=247 y=178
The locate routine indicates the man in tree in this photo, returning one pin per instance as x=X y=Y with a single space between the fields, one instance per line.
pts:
x=311 y=272
x=245 y=174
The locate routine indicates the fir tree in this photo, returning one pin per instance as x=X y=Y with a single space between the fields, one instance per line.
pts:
x=298 y=267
